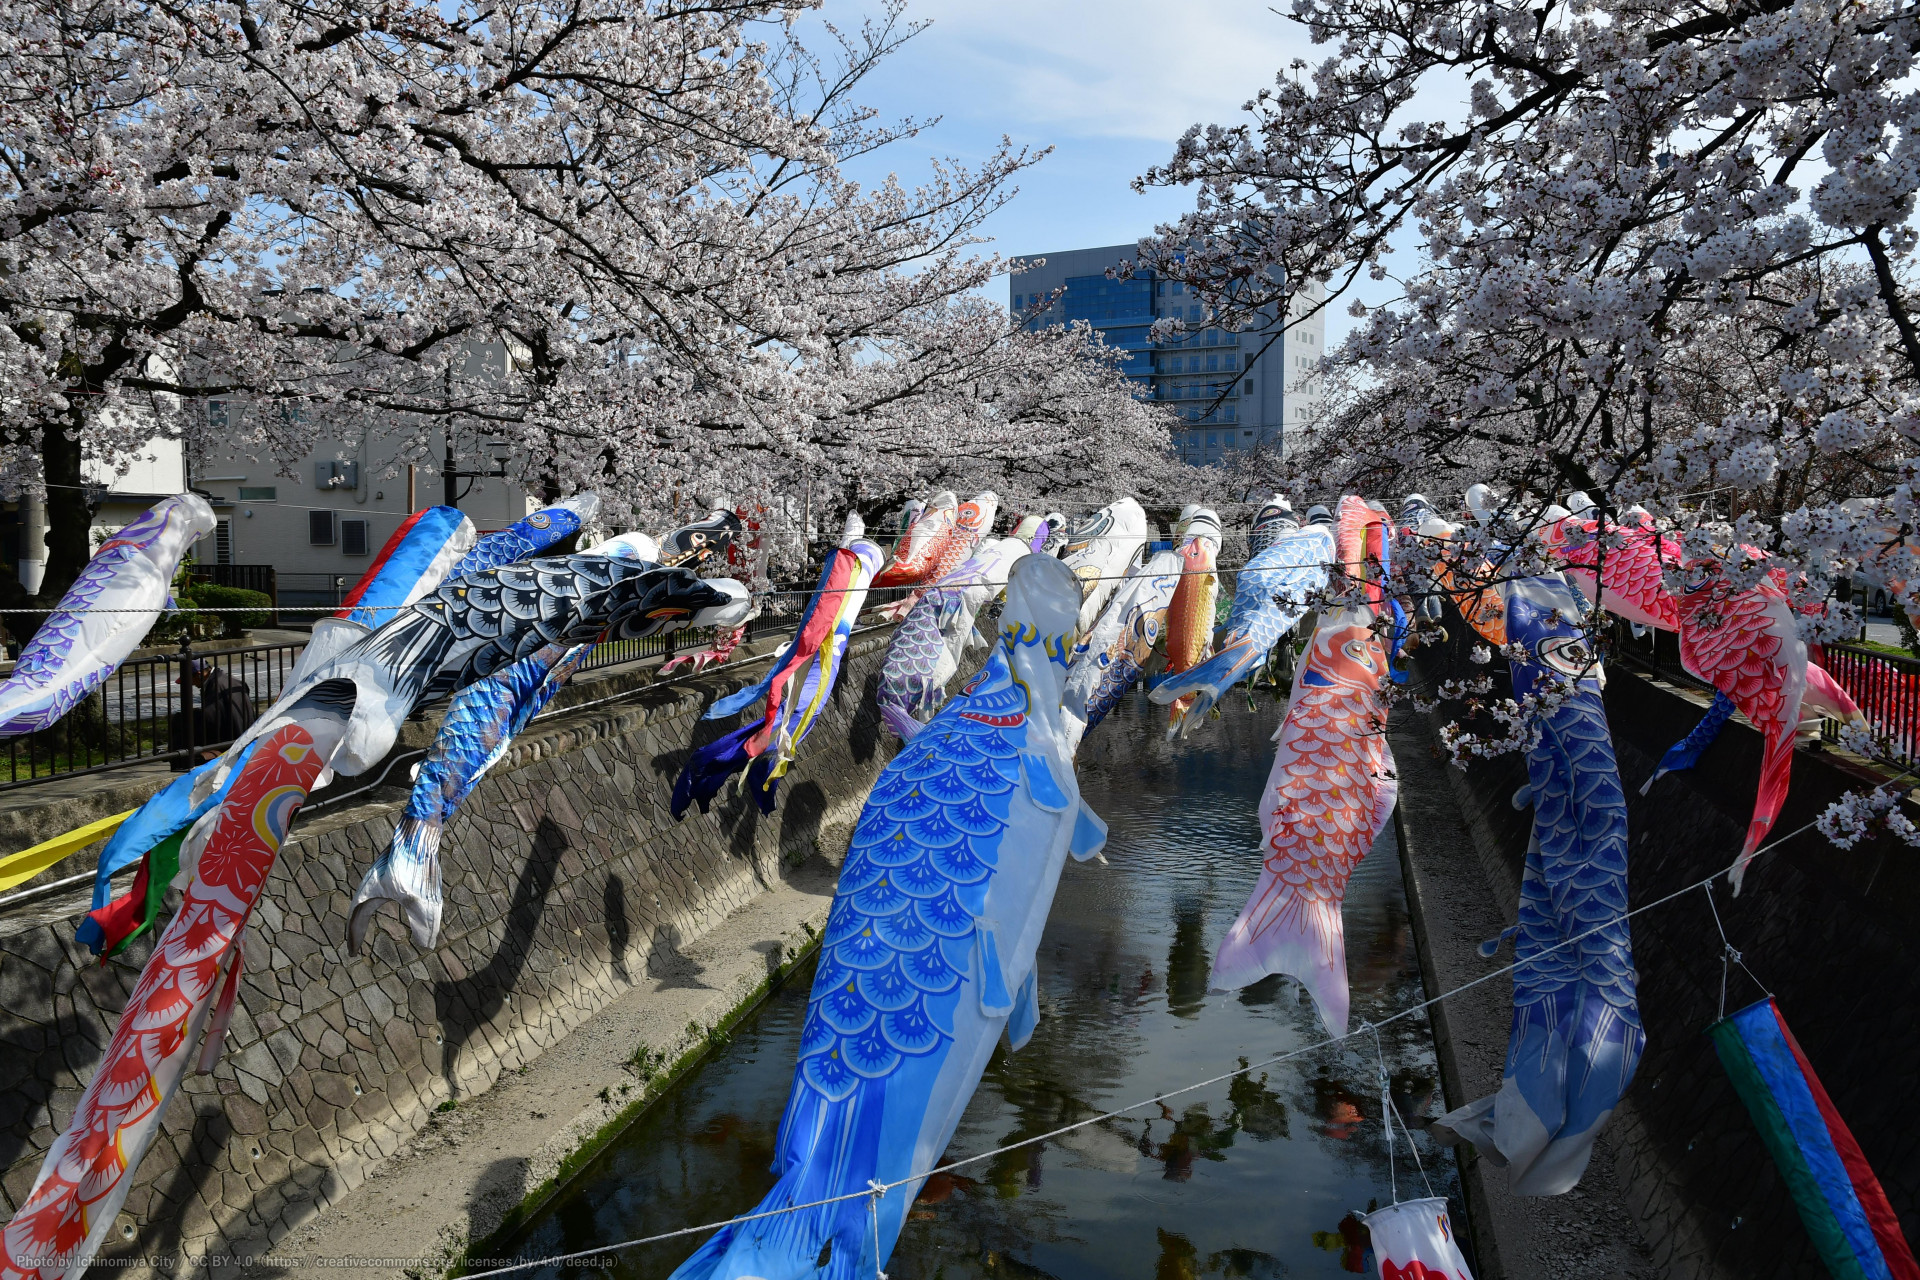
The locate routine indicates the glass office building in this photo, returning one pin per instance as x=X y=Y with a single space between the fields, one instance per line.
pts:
x=1231 y=390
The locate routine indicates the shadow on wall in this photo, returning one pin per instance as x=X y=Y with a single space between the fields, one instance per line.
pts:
x=32 y=1057
x=613 y=900
x=803 y=807
x=463 y=1007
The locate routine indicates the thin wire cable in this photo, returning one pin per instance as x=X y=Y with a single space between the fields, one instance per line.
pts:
x=1157 y=1099
x=1728 y=955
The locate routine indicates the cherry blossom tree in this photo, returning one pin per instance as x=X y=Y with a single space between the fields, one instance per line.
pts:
x=332 y=205
x=1601 y=194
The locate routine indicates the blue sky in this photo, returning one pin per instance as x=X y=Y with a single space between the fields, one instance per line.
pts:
x=1111 y=86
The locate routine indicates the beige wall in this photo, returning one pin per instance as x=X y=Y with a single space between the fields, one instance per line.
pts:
x=270 y=512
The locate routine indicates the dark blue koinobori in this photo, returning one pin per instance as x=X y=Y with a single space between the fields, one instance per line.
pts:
x=1576 y=1038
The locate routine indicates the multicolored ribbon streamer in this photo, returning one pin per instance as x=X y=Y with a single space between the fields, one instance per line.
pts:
x=836 y=601
x=1846 y=1213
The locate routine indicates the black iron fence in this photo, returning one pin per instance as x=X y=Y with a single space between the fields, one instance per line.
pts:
x=145 y=712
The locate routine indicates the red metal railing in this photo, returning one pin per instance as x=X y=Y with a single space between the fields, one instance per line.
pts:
x=1888 y=691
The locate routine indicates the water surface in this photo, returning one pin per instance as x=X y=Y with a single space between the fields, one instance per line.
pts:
x=1250 y=1177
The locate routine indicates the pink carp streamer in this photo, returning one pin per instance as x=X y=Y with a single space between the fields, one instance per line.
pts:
x=88 y=1171
x=1744 y=642
x=1747 y=645
x=1331 y=791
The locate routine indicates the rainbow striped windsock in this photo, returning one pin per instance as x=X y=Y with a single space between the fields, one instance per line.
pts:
x=1845 y=1211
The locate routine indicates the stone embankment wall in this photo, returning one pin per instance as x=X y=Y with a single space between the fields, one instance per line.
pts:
x=566 y=882
x=1830 y=932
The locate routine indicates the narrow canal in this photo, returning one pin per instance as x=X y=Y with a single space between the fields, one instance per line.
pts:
x=1254 y=1177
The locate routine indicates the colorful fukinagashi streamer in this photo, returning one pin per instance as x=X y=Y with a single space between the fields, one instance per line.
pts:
x=186 y=989
x=1577 y=1037
x=1331 y=791
x=1109 y=658
x=1847 y=1215
x=1100 y=550
x=929 y=952
x=1272 y=594
x=927 y=647
x=104 y=615
x=836 y=602
x=1191 y=615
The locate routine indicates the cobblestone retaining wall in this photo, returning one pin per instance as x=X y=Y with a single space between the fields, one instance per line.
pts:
x=566 y=880
x=1829 y=930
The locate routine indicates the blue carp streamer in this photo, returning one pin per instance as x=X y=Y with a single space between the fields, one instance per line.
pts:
x=1576 y=1038
x=479 y=728
x=928 y=953
x=1685 y=753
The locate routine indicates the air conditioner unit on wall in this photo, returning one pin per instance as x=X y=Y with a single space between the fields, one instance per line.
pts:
x=336 y=475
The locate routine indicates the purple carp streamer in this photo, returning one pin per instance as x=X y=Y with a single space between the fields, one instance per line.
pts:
x=104 y=615
x=926 y=648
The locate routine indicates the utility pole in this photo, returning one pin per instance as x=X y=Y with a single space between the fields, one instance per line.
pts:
x=450 y=477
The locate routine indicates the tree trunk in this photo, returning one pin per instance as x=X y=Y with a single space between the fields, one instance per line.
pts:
x=69 y=538
x=69 y=520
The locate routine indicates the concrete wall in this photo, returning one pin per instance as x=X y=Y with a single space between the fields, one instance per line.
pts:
x=1830 y=932
x=566 y=883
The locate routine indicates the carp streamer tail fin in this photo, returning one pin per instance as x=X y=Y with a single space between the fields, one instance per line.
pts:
x=1305 y=940
x=1776 y=767
x=407 y=873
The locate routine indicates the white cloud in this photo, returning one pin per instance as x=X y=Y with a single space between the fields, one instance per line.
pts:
x=1120 y=69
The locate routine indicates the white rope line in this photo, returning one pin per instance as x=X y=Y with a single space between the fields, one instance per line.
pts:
x=875 y=1189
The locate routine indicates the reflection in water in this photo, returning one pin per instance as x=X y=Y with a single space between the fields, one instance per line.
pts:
x=1247 y=1177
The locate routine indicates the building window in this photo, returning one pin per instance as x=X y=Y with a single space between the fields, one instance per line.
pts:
x=353 y=537
x=1212 y=439
x=1213 y=364
x=223 y=542
x=267 y=493
x=1249 y=386
x=320 y=528
x=216 y=413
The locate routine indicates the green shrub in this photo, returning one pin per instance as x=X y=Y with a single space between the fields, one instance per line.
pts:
x=207 y=595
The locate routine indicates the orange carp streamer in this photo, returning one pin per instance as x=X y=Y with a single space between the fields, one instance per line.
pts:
x=1190 y=615
x=921 y=544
